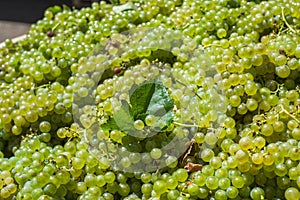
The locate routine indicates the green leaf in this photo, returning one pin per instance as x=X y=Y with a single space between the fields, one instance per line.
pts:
x=152 y=98
x=122 y=119
x=147 y=98
x=140 y=97
x=161 y=106
x=110 y=125
x=123 y=7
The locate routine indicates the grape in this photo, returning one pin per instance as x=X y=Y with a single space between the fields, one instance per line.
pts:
x=257 y=158
x=155 y=153
x=232 y=192
x=231 y=68
x=212 y=182
x=159 y=186
x=292 y=193
x=147 y=188
x=246 y=143
x=199 y=179
x=173 y=194
x=207 y=154
x=237 y=181
x=220 y=194
x=180 y=174
x=224 y=183
x=109 y=177
x=257 y=193
x=172 y=183
x=150 y=120
x=139 y=124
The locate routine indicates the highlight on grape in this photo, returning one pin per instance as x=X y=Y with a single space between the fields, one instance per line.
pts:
x=148 y=100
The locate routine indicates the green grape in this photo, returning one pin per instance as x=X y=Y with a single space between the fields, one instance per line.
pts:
x=282 y=71
x=172 y=183
x=221 y=33
x=31 y=116
x=242 y=156
x=199 y=179
x=78 y=163
x=212 y=182
x=173 y=194
x=292 y=193
x=181 y=175
x=124 y=189
x=146 y=177
x=293 y=173
x=138 y=124
x=109 y=177
x=160 y=186
x=61 y=133
x=199 y=138
x=232 y=161
x=226 y=144
x=246 y=143
x=193 y=189
x=250 y=88
x=221 y=173
x=267 y=129
x=237 y=181
x=232 y=192
x=147 y=188
x=51 y=189
x=245 y=192
x=211 y=138
x=257 y=193
x=235 y=100
x=257 y=158
x=215 y=162
x=207 y=154
x=251 y=104
x=280 y=169
x=156 y=153
x=4 y=193
x=259 y=142
x=150 y=120
x=224 y=183
x=296 y=133
x=220 y=195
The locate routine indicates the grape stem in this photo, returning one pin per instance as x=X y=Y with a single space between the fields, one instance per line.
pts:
x=186 y=125
x=289 y=114
x=212 y=45
x=55 y=26
x=286 y=23
x=186 y=86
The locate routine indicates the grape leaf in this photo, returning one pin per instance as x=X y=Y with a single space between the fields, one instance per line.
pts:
x=124 y=7
x=121 y=120
x=147 y=98
x=152 y=98
x=140 y=97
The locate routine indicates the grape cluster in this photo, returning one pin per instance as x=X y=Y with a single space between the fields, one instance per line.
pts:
x=229 y=68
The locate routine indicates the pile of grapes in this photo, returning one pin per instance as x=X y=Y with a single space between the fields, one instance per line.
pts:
x=160 y=99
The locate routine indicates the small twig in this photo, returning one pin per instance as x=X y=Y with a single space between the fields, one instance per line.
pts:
x=289 y=114
x=212 y=45
x=186 y=125
x=55 y=26
x=286 y=23
x=186 y=86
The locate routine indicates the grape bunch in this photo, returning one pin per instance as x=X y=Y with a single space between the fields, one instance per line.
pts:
x=163 y=99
